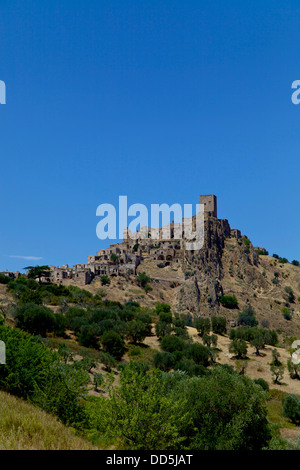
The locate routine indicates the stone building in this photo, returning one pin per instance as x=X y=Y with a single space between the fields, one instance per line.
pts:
x=165 y=244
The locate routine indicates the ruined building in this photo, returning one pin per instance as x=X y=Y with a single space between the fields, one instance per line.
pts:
x=122 y=259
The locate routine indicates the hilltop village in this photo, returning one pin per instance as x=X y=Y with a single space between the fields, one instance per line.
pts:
x=122 y=259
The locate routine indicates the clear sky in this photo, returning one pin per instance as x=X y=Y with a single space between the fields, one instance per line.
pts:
x=157 y=100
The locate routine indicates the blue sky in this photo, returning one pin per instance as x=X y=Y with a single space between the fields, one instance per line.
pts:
x=160 y=101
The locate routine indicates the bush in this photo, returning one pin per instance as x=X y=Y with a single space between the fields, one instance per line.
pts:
x=171 y=343
x=198 y=353
x=161 y=307
x=247 y=317
x=113 y=344
x=142 y=279
x=202 y=325
x=35 y=319
x=165 y=317
x=218 y=410
x=264 y=385
x=105 y=280
x=4 y=279
x=229 y=301
x=164 y=361
x=38 y=374
x=291 y=295
x=247 y=243
x=291 y=408
x=262 y=252
x=89 y=336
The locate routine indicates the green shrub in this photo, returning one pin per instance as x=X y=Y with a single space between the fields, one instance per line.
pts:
x=4 y=279
x=287 y=316
x=264 y=385
x=247 y=317
x=35 y=319
x=34 y=372
x=229 y=301
x=198 y=353
x=171 y=343
x=164 y=361
x=105 y=280
x=113 y=344
x=247 y=243
x=291 y=408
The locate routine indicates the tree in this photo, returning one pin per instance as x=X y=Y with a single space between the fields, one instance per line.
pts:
x=136 y=331
x=147 y=320
x=291 y=408
x=114 y=258
x=165 y=317
x=113 y=344
x=241 y=366
x=107 y=360
x=140 y=413
x=294 y=369
x=263 y=384
x=162 y=329
x=199 y=354
x=148 y=288
x=89 y=335
x=35 y=319
x=202 y=325
x=161 y=307
x=218 y=325
x=276 y=367
x=258 y=342
x=37 y=272
x=36 y=373
x=97 y=380
x=171 y=343
x=275 y=357
x=239 y=348
x=227 y=410
x=164 y=361
x=142 y=279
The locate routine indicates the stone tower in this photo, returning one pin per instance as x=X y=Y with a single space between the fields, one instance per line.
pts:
x=210 y=204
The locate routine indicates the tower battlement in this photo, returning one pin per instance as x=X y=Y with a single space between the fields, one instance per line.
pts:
x=210 y=204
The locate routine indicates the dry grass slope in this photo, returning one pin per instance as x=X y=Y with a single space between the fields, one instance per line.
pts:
x=25 y=427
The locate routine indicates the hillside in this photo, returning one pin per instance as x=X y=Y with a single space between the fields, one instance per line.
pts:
x=86 y=322
x=225 y=266
x=25 y=427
